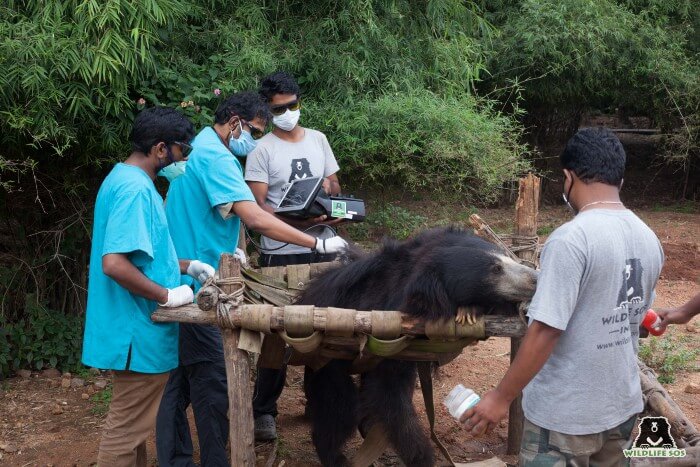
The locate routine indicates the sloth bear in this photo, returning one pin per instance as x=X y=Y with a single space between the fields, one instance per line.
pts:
x=429 y=276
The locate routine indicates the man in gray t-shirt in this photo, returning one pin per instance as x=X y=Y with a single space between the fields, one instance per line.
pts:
x=577 y=364
x=276 y=162
x=290 y=152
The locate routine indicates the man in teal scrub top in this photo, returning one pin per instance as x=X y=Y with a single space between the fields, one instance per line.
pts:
x=205 y=206
x=133 y=266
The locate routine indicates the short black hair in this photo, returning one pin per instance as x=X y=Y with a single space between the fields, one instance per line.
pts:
x=279 y=82
x=156 y=124
x=245 y=104
x=595 y=155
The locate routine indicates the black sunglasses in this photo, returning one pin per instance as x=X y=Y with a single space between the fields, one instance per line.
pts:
x=186 y=148
x=280 y=109
x=255 y=132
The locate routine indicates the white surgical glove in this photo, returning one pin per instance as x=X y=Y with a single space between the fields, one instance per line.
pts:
x=240 y=254
x=179 y=296
x=330 y=245
x=200 y=271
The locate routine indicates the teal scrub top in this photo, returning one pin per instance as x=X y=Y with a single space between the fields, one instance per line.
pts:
x=213 y=177
x=129 y=219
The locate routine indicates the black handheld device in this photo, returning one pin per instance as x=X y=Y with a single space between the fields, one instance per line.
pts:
x=305 y=198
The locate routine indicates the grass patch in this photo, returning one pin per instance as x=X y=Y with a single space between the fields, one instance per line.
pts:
x=282 y=448
x=388 y=220
x=101 y=400
x=668 y=357
x=683 y=207
x=545 y=230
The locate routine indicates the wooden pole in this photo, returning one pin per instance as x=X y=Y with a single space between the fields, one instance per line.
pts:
x=240 y=399
x=495 y=325
x=526 y=209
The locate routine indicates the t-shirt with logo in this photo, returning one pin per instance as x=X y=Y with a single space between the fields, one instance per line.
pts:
x=278 y=163
x=597 y=280
x=129 y=219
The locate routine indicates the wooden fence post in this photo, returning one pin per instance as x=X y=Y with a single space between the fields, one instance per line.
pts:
x=526 y=209
x=240 y=400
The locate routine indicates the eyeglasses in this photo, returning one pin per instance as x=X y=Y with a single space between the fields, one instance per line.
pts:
x=255 y=132
x=186 y=148
x=280 y=109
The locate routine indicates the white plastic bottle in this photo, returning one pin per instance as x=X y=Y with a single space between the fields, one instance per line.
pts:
x=459 y=400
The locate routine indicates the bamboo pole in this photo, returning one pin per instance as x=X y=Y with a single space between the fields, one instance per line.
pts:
x=495 y=325
x=240 y=408
x=526 y=209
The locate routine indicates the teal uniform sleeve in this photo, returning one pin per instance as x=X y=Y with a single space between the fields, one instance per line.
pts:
x=225 y=183
x=128 y=229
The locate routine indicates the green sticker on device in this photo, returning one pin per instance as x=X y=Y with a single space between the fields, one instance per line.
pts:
x=339 y=209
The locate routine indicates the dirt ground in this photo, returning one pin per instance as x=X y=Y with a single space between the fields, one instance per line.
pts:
x=33 y=432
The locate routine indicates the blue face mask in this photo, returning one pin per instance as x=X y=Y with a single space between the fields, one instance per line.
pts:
x=242 y=145
x=172 y=171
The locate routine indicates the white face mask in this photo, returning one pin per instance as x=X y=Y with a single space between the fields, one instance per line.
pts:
x=288 y=120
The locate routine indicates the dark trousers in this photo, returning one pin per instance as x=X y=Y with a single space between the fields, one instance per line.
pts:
x=270 y=382
x=203 y=385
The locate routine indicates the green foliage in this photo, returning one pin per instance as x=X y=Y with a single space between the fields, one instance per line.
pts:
x=668 y=357
x=590 y=53
x=450 y=146
x=389 y=220
x=69 y=69
x=42 y=339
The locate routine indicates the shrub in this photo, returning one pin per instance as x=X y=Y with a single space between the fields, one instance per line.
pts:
x=43 y=338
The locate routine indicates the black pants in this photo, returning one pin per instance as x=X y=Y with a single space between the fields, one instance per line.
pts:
x=203 y=385
x=270 y=382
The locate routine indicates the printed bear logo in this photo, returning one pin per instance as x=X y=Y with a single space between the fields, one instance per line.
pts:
x=300 y=170
x=631 y=290
x=654 y=432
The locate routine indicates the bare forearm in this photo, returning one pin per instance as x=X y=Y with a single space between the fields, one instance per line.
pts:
x=335 y=187
x=537 y=345
x=124 y=273
x=184 y=264
x=267 y=224
x=691 y=308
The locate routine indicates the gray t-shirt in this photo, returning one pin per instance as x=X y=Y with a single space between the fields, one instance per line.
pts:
x=278 y=162
x=597 y=280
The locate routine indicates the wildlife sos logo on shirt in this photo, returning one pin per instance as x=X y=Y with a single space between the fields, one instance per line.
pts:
x=631 y=291
x=630 y=304
x=654 y=440
x=300 y=169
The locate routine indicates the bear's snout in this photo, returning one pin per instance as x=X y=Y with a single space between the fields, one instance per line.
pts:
x=517 y=283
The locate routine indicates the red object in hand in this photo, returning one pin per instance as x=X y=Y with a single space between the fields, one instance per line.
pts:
x=651 y=323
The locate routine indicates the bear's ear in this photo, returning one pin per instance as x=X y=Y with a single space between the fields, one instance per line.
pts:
x=425 y=295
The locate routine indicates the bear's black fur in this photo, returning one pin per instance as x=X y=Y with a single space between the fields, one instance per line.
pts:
x=429 y=276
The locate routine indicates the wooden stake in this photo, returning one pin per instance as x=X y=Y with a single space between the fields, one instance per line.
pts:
x=526 y=209
x=240 y=399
